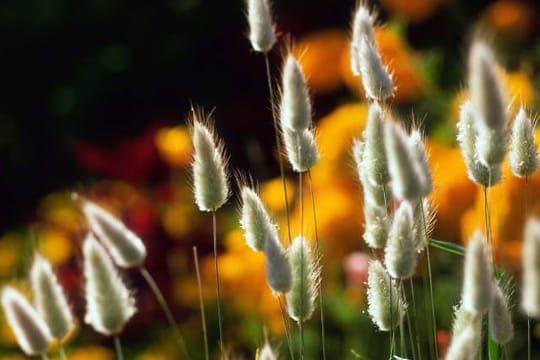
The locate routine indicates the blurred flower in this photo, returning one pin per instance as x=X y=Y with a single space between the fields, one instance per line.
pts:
x=91 y=353
x=415 y=11
x=174 y=145
x=356 y=268
x=10 y=246
x=401 y=62
x=510 y=17
x=319 y=54
x=453 y=191
x=55 y=245
x=271 y=192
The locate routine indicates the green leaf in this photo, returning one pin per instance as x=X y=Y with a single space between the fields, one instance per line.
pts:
x=493 y=349
x=449 y=247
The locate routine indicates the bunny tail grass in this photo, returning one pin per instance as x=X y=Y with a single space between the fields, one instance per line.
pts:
x=261 y=29
x=166 y=309
x=255 y=220
x=31 y=331
x=50 y=299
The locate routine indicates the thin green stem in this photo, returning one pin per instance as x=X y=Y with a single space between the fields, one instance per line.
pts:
x=62 y=352
x=201 y=303
x=391 y=318
x=301 y=320
x=319 y=258
x=417 y=336
x=278 y=144
x=166 y=310
x=118 y=348
x=529 y=352
x=286 y=327
x=218 y=291
x=401 y=327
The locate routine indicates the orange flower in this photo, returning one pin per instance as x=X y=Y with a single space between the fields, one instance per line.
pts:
x=10 y=245
x=415 y=11
x=400 y=61
x=174 y=145
x=319 y=54
x=55 y=245
x=271 y=192
x=510 y=17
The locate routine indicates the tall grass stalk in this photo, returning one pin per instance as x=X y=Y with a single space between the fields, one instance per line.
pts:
x=528 y=317
x=415 y=329
x=201 y=303
x=286 y=327
x=430 y=279
x=318 y=256
x=62 y=352
x=300 y=320
x=216 y=271
x=278 y=144
x=166 y=310
x=118 y=348
x=401 y=327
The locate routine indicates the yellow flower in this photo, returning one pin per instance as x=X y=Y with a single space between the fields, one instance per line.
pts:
x=403 y=66
x=9 y=250
x=319 y=54
x=91 y=353
x=511 y=17
x=415 y=11
x=271 y=192
x=55 y=245
x=174 y=145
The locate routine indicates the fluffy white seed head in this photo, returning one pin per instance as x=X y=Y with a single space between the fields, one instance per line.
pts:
x=530 y=296
x=362 y=28
x=467 y=138
x=305 y=281
x=477 y=277
x=377 y=224
x=295 y=107
x=31 y=331
x=125 y=247
x=301 y=149
x=501 y=328
x=386 y=306
x=50 y=299
x=376 y=79
x=255 y=220
x=278 y=269
x=400 y=251
x=261 y=29
x=419 y=150
x=487 y=94
x=523 y=152
x=465 y=344
x=374 y=156
x=405 y=171
x=463 y=319
x=109 y=304
x=491 y=146
x=374 y=194
x=209 y=165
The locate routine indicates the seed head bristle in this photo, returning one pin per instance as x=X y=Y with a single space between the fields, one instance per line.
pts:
x=419 y=149
x=261 y=28
x=362 y=28
x=377 y=224
x=255 y=220
x=501 y=328
x=109 y=304
x=50 y=299
x=374 y=157
x=374 y=194
x=125 y=247
x=400 y=251
x=31 y=331
x=523 y=151
x=278 y=268
x=301 y=148
x=530 y=297
x=210 y=180
x=477 y=277
x=295 y=107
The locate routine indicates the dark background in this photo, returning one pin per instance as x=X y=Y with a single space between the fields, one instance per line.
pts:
x=98 y=72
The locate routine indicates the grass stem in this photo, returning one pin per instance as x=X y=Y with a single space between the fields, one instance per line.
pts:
x=218 y=291
x=318 y=256
x=278 y=143
x=118 y=348
x=300 y=320
x=166 y=310
x=62 y=352
x=286 y=327
x=201 y=303
x=529 y=352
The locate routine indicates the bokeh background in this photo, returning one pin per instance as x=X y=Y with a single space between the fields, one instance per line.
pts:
x=94 y=98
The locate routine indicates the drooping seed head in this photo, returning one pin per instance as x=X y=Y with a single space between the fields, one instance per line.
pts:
x=376 y=79
x=400 y=251
x=295 y=107
x=209 y=165
x=125 y=247
x=385 y=304
x=362 y=28
x=261 y=29
x=255 y=220
x=50 y=299
x=109 y=304
x=467 y=138
x=405 y=171
x=377 y=224
x=305 y=281
x=530 y=296
x=523 y=152
x=278 y=268
x=501 y=328
x=301 y=149
x=420 y=152
x=31 y=331
x=477 y=277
